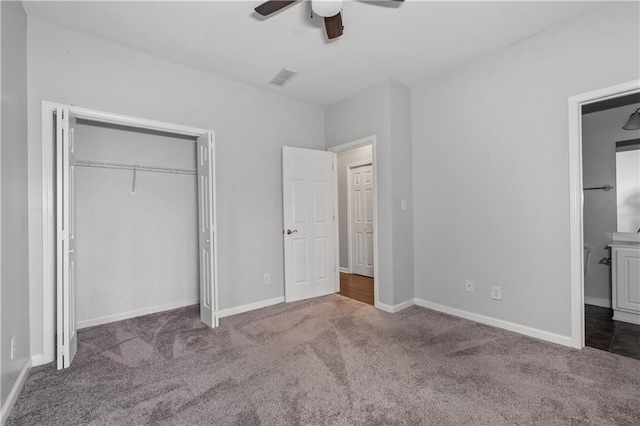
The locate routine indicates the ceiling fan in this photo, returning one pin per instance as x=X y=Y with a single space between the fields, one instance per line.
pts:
x=330 y=10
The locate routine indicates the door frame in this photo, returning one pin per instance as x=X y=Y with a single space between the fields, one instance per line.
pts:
x=576 y=199
x=369 y=140
x=349 y=207
x=49 y=326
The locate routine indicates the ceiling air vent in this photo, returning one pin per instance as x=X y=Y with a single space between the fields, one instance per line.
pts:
x=283 y=77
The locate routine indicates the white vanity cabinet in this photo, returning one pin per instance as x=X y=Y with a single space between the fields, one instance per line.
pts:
x=626 y=281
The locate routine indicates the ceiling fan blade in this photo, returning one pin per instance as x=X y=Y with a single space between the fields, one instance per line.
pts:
x=269 y=7
x=333 y=25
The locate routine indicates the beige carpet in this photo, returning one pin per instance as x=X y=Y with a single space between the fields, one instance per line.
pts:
x=330 y=360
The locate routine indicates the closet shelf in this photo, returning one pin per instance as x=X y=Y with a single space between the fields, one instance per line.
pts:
x=134 y=167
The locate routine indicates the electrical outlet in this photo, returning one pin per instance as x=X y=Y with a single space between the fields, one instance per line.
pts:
x=267 y=278
x=496 y=293
x=468 y=285
x=13 y=347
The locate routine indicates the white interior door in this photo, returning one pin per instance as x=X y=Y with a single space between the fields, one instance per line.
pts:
x=361 y=187
x=66 y=245
x=308 y=206
x=206 y=224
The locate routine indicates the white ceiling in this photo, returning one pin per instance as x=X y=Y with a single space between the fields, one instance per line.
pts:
x=409 y=41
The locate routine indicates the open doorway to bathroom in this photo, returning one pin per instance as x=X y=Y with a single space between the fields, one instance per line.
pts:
x=356 y=204
x=611 y=224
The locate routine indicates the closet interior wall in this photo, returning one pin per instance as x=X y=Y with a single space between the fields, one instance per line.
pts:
x=137 y=252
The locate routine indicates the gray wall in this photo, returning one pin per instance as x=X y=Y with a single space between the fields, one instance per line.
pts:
x=251 y=127
x=15 y=272
x=402 y=189
x=345 y=158
x=367 y=113
x=134 y=252
x=491 y=181
x=600 y=132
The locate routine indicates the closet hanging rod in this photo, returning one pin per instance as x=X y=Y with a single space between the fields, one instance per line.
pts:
x=136 y=167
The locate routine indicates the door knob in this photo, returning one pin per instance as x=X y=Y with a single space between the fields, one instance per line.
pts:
x=289 y=231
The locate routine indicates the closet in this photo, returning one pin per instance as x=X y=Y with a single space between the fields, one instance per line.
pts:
x=135 y=223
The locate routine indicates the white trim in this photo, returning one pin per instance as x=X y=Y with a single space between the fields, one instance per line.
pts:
x=250 y=307
x=629 y=317
x=36 y=360
x=48 y=234
x=404 y=305
x=344 y=270
x=140 y=123
x=576 y=198
x=349 y=207
x=369 y=140
x=597 y=301
x=2 y=419
x=48 y=191
x=137 y=313
x=494 y=322
x=336 y=225
x=214 y=185
x=396 y=308
x=384 y=307
x=15 y=391
x=1 y=364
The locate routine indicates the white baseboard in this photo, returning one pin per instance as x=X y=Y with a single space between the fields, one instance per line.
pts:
x=494 y=322
x=632 y=318
x=596 y=301
x=132 y=314
x=15 y=391
x=36 y=360
x=395 y=308
x=345 y=270
x=249 y=307
x=384 y=307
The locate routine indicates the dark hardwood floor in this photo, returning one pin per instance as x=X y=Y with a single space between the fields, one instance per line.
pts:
x=357 y=287
x=602 y=332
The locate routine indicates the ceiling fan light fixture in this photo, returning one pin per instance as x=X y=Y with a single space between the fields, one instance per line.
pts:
x=634 y=121
x=326 y=8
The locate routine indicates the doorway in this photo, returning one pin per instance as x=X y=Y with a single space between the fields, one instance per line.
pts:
x=611 y=211
x=61 y=167
x=356 y=212
x=597 y=269
x=316 y=230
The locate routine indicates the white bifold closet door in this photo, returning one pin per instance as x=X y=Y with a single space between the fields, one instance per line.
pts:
x=67 y=338
x=206 y=229
x=67 y=341
x=309 y=234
